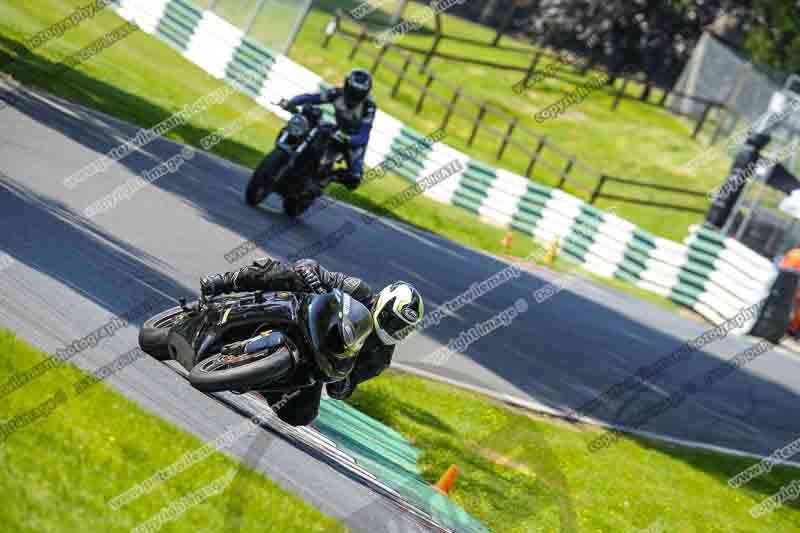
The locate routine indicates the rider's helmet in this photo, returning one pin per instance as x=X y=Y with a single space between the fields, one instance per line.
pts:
x=396 y=311
x=357 y=85
x=338 y=326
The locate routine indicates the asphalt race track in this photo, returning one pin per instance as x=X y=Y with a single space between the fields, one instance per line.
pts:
x=72 y=274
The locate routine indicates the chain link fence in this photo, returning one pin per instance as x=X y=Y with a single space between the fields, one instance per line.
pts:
x=757 y=99
x=717 y=71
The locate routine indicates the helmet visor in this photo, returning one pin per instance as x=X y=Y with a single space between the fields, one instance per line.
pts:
x=338 y=324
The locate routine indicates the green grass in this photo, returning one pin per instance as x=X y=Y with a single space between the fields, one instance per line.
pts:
x=143 y=81
x=520 y=473
x=637 y=141
x=58 y=473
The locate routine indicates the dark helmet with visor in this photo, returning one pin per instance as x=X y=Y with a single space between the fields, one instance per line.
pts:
x=338 y=326
x=357 y=85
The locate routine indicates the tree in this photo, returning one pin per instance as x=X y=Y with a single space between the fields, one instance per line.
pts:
x=774 y=38
x=654 y=36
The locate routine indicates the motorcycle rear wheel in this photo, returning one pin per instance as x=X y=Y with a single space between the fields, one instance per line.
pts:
x=154 y=332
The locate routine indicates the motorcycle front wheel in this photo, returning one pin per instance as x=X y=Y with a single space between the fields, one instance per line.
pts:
x=294 y=207
x=262 y=182
x=222 y=373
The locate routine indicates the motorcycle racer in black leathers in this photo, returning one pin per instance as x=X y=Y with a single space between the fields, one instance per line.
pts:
x=355 y=112
x=395 y=310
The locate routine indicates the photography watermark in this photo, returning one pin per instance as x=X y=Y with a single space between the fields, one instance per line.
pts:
x=787 y=492
x=411 y=152
x=42 y=410
x=647 y=373
x=467 y=337
x=577 y=96
x=127 y=190
x=563 y=58
x=432 y=510
x=427 y=13
x=395 y=201
x=744 y=175
x=178 y=507
x=765 y=465
x=736 y=140
x=144 y=136
x=106 y=371
x=690 y=388
x=77 y=346
x=87 y=52
x=365 y=8
x=190 y=459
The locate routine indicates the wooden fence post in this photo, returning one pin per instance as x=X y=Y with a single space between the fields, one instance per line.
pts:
x=402 y=75
x=663 y=98
x=535 y=156
x=565 y=172
x=379 y=58
x=701 y=121
x=446 y=120
x=424 y=92
x=477 y=123
x=531 y=69
x=645 y=96
x=598 y=187
x=504 y=24
x=437 y=37
x=357 y=44
x=511 y=125
x=589 y=63
x=619 y=94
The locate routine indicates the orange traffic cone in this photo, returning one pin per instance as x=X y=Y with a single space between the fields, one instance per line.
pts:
x=445 y=482
x=506 y=240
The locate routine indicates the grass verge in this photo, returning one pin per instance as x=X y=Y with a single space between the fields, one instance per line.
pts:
x=59 y=472
x=523 y=473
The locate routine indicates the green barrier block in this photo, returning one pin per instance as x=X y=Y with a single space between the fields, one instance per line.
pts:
x=466 y=203
x=482 y=168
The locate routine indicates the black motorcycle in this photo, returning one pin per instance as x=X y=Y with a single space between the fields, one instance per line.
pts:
x=264 y=341
x=302 y=163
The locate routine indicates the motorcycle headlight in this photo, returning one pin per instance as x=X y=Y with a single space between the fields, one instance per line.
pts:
x=297 y=126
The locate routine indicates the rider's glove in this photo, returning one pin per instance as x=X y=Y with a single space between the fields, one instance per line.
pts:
x=212 y=285
x=309 y=277
x=341 y=137
x=284 y=104
x=340 y=390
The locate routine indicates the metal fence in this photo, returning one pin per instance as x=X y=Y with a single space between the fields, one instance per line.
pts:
x=719 y=71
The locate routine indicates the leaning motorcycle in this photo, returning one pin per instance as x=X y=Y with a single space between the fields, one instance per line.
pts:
x=262 y=341
x=302 y=163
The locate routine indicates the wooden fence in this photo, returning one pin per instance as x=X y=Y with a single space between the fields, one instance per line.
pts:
x=618 y=84
x=532 y=144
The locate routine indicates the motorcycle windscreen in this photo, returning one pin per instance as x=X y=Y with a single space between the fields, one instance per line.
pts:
x=338 y=326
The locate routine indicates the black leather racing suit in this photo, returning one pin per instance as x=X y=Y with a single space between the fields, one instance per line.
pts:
x=270 y=275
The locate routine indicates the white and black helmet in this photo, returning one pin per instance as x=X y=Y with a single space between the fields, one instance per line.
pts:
x=395 y=312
